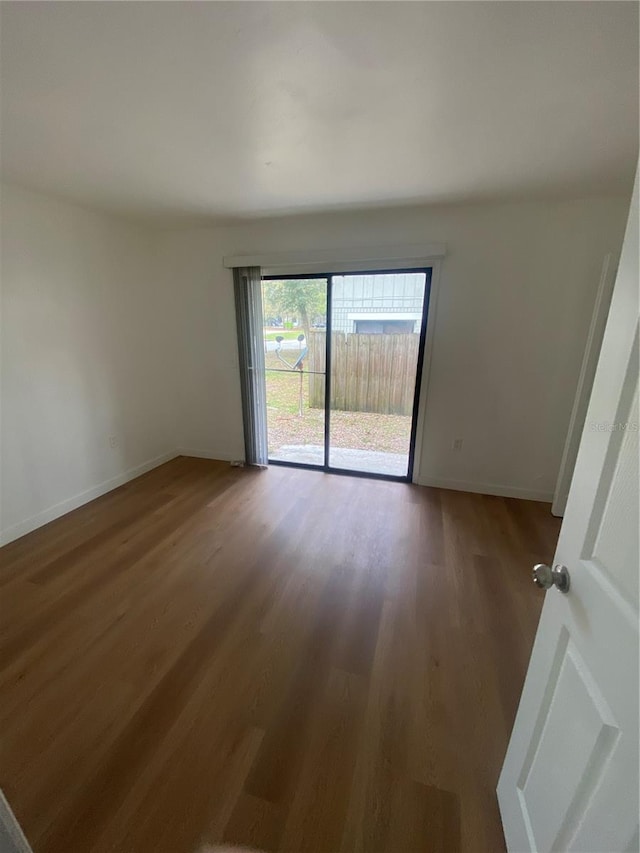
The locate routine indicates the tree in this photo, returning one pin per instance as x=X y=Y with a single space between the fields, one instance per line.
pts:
x=303 y=298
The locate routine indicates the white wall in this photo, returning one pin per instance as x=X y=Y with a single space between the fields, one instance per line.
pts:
x=516 y=293
x=87 y=353
x=113 y=329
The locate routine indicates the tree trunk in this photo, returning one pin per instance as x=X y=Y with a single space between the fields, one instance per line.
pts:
x=304 y=321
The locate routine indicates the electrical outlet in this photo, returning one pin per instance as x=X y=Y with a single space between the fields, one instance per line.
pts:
x=457 y=444
x=113 y=441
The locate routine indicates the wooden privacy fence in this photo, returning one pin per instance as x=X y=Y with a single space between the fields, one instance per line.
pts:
x=369 y=373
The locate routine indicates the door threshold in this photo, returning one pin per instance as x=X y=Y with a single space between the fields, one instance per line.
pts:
x=342 y=472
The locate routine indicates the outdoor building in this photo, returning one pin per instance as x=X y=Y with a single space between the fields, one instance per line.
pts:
x=378 y=304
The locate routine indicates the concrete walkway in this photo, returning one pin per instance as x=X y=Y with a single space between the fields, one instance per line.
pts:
x=371 y=461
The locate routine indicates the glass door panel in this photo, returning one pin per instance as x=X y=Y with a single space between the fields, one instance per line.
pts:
x=376 y=322
x=295 y=315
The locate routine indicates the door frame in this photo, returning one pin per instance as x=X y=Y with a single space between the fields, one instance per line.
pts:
x=419 y=394
x=585 y=384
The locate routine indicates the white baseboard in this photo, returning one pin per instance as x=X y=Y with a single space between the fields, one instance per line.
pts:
x=209 y=454
x=437 y=482
x=62 y=508
x=486 y=489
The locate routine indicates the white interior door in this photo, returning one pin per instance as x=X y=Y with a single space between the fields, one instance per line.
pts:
x=570 y=776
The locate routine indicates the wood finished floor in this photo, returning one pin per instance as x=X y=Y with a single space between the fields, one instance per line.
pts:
x=285 y=659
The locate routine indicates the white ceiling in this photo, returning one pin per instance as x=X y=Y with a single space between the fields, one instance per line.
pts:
x=243 y=109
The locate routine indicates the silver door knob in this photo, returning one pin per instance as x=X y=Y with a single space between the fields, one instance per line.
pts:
x=545 y=577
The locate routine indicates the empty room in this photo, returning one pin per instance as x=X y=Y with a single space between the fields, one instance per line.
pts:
x=319 y=491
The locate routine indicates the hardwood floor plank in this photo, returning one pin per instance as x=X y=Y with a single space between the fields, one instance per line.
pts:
x=316 y=817
x=282 y=658
x=70 y=530
x=255 y=823
x=155 y=716
x=425 y=819
x=358 y=642
x=274 y=772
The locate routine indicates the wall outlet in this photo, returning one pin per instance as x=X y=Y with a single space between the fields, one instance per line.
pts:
x=456 y=444
x=114 y=441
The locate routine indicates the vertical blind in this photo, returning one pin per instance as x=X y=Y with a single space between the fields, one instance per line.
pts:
x=248 y=294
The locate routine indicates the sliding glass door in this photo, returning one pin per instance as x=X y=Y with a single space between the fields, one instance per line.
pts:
x=343 y=360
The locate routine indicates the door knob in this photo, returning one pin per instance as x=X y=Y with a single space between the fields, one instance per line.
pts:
x=545 y=577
